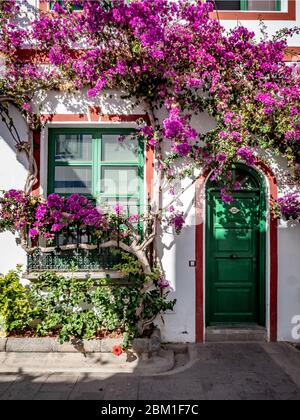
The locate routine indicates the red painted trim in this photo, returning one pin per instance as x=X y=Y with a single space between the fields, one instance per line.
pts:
x=31 y=56
x=292 y=54
x=199 y=268
x=200 y=253
x=43 y=6
x=37 y=157
x=273 y=255
x=65 y=118
x=239 y=15
x=150 y=171
x=94 y=115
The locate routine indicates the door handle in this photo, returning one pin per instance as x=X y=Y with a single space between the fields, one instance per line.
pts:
x=234 y=257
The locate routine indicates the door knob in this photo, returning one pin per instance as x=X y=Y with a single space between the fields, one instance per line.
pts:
x=234 y=257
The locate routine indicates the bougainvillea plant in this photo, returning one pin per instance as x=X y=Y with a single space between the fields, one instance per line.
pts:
x=163 y=54
x=36 y=218
x=288 y=206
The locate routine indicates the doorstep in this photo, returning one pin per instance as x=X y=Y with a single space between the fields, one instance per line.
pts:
x=236 y=333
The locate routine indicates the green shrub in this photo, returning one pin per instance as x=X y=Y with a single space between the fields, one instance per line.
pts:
x=79 y=308
x=15 y=307
x=82 y=308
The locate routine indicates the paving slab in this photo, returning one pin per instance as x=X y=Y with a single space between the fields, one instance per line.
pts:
x=219 y=371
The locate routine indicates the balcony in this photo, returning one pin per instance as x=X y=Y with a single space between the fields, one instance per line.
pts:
x=74 y=249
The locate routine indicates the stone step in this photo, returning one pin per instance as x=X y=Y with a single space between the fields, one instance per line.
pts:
x=128 y=362
x=235 y=334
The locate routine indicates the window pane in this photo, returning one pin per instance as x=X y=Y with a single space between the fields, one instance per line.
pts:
x=69 y=180
x=261 y=5
x=251 y=5
x=119 y=181
x=228 y=4
x=117 y=149
x=73 y=147
x=130 y=206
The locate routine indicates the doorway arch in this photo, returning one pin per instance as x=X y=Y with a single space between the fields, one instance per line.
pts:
x=264 y=175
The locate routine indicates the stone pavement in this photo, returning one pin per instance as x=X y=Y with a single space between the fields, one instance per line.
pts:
x=226 y=371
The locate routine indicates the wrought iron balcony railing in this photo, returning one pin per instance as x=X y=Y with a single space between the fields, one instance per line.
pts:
x=75 y=248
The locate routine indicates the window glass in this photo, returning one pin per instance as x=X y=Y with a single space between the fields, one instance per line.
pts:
x=249 y=5
x=262 y=5
x=95 y=163
x=116 y=148
x=77 y=147
x=118 y=181
x=228 y=4
x=72 y=179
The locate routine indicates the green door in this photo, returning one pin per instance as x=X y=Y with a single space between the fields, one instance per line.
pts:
x=235 y=263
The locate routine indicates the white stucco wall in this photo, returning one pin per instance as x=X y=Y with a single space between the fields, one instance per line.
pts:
x=176 y=251
x=272 y=26
x=289 y=279
x=289 y=264
x=13 y=173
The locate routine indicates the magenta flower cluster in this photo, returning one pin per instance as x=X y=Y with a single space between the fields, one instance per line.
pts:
x=59 y=213
x=17 y=210
x=44 y=218
x=289 y=206
x=176 y=219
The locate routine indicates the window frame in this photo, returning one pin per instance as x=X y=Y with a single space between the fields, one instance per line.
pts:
x=97 y=163
x=244 y=8
x=288 y=15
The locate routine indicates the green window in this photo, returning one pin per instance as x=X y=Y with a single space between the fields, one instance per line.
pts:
x=249 y=5
x=106 y=165
x=76 y=6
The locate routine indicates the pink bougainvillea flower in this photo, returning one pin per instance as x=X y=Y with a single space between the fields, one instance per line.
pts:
x=226 y=197
x=163 y=283
x=33 y=233
x=118 y=209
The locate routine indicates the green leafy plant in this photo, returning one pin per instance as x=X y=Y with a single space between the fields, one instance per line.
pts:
x=81 y=308
x=15 y=307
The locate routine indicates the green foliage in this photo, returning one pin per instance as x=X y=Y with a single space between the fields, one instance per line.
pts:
x=79 y=309
x=15 y=307
x=82 y=309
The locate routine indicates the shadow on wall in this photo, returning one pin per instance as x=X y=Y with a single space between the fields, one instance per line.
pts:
x=110 y=103
x=7 y=166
